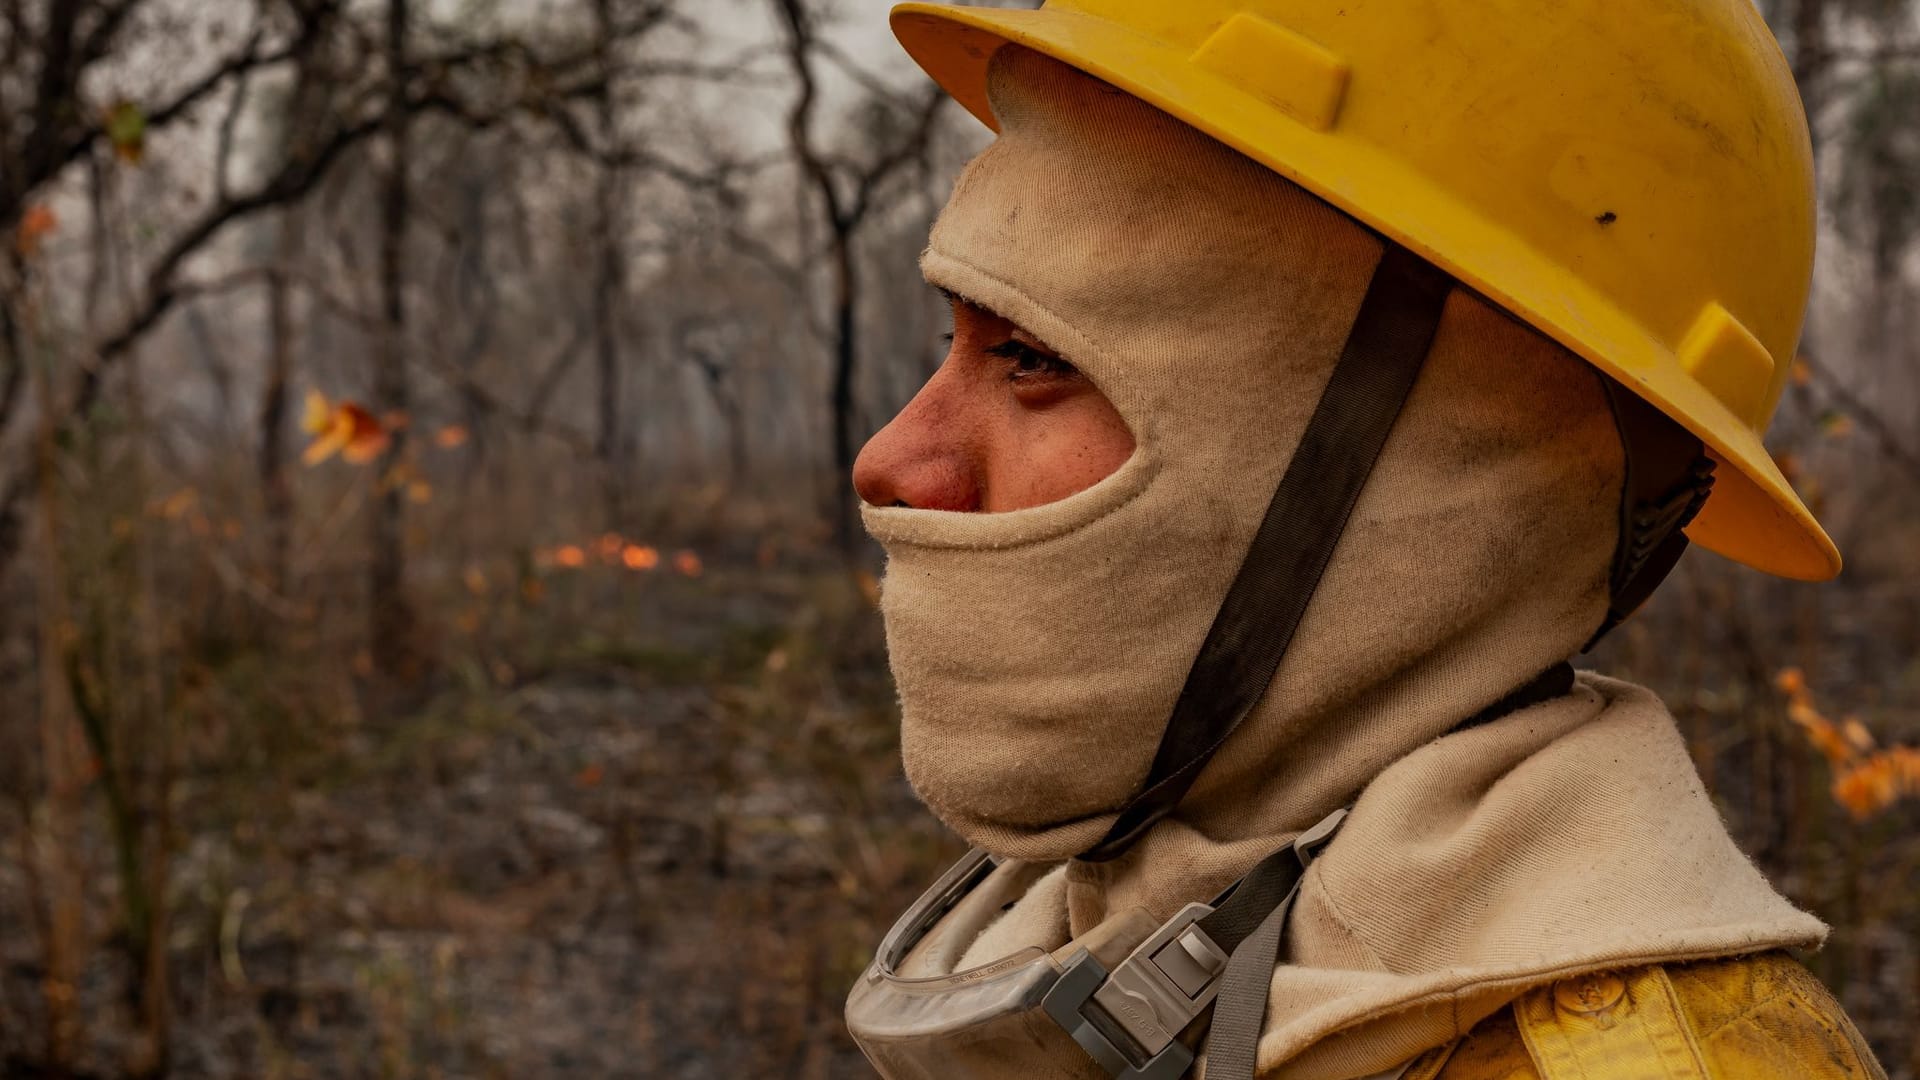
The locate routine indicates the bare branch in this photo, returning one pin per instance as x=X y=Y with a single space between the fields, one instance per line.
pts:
x=797 y=28
x=51 y=107
x=106 y=26
x=909 y=147
x=529 y=420
x=13 y=377
x=224 y=154
x=1866 y=417
x=180 y=105
x=733 y=70
x=580 y=142
x=161 y=292
x=1879 y=54
x=867 y=81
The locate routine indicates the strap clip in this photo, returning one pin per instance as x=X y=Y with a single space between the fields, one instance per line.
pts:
x=1309 y=843
x=1128 y=1020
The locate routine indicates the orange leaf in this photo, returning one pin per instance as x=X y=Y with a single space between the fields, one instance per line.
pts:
x=1858 y=735
x=36 y=225
x=318 y=413
x=447 y=438
x=367 y=438
x=637 y=557
x=687 y=563
x=570 y=556
x=1868 y=788
x=342 y=428
x=322 y=448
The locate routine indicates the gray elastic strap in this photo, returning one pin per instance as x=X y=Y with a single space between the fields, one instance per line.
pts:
x=1240 y=1012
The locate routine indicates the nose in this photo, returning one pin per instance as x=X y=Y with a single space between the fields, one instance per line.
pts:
x=924 y=459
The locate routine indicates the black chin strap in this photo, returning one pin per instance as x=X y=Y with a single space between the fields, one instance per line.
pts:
x=1369 y=388
x=1668 y=479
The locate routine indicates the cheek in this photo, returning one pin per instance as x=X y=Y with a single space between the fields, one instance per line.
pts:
x=1050 y=454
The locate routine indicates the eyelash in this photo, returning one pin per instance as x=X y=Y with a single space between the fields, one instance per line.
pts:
x=1021 y=352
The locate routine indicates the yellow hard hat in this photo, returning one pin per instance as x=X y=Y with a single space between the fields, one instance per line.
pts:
x=1632 y=177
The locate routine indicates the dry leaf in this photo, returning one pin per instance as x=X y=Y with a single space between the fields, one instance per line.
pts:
x=35 y=226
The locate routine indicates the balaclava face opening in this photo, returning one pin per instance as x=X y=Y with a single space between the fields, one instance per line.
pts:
x=1038 y=653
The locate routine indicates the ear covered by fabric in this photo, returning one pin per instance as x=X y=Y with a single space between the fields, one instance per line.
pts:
x=1039 y=653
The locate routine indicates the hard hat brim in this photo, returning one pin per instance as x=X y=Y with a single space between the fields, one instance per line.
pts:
x=1754 y=516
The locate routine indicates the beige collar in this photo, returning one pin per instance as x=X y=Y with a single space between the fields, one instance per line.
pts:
x=1570 y=837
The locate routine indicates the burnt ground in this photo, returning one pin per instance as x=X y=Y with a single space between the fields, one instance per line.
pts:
x=662 y=839
x=664 y=853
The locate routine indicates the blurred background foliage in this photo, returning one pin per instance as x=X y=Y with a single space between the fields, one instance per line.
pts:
x=433 y=638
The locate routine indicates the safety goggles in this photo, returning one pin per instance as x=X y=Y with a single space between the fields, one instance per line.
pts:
x=1129 y=1001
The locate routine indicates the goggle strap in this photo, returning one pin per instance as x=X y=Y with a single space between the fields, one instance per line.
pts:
x=1257 y=912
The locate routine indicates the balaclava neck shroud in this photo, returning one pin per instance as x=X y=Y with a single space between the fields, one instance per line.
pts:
x=1038 y=653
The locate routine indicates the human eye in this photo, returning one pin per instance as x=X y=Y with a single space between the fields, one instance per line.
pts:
x=1028 y=363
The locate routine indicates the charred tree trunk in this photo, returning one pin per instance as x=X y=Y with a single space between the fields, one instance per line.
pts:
x=391 y=615
x=846 y=196
x=609 y=439
x=59 y=891
x=1811 y=58
x=846 y=352
x=276 y=486
x=276 y=489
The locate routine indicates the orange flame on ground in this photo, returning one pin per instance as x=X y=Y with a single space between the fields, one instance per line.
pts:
x=1866 y=779
x=612 y=549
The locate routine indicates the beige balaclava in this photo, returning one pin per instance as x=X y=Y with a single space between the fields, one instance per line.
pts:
x=1038 y=653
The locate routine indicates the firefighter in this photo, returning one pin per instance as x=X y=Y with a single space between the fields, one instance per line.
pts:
x=1326 y=377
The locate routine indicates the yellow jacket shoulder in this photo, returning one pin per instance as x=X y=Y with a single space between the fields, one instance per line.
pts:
x=1752 y=1018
